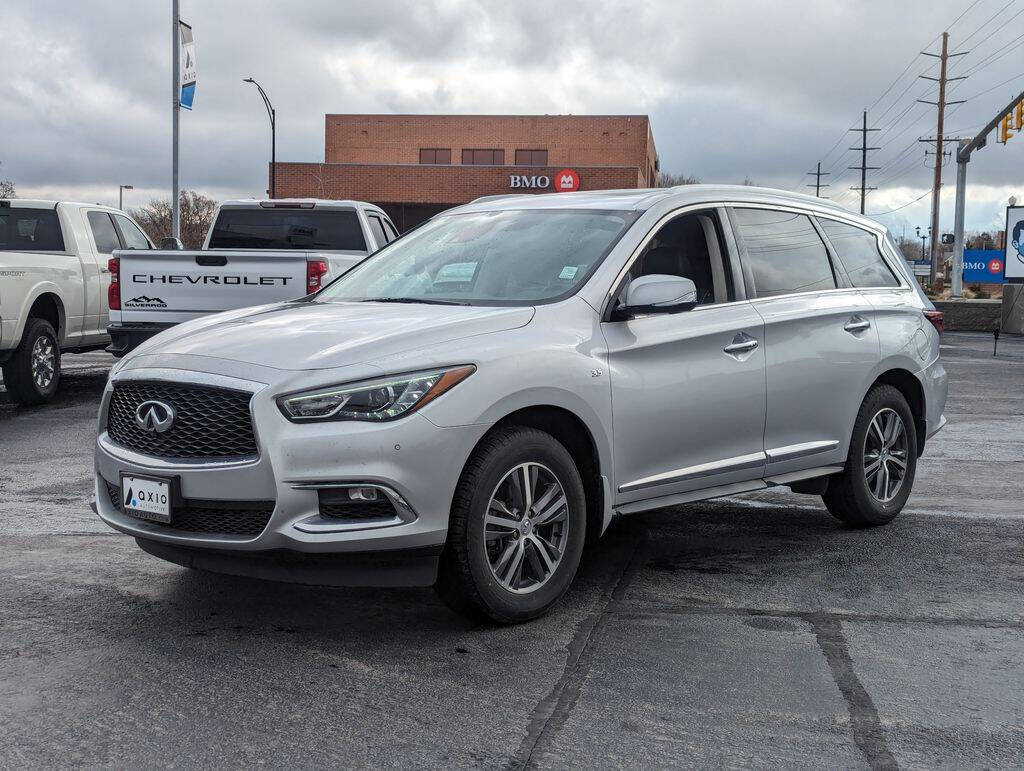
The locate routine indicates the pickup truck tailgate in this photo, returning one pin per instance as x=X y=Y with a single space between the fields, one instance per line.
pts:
x=174 y=286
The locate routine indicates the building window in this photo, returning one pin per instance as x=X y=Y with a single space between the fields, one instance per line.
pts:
x=435 y=155
x=483 y=157
x=531 y=157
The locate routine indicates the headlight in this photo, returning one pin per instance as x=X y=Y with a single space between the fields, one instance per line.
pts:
x=373 y=400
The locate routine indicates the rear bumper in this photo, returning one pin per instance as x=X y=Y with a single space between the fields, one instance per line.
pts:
x=124 y=338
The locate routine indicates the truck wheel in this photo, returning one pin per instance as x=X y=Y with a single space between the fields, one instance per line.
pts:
x=32 y=373
x=880 y=466
x=517 y=529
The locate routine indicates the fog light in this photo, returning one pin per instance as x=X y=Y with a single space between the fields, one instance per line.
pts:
x=363 y=493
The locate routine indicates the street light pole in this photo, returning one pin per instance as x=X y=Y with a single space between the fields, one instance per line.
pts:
x=120 y=195
x=273 y=136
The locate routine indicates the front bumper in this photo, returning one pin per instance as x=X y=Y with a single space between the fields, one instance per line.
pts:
x=412 y=457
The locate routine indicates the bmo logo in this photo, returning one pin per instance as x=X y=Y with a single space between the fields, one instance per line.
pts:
x=565 y=181
x=995 y=267
x=521 y=180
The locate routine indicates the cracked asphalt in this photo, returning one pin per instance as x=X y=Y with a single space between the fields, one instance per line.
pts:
x=747 y=631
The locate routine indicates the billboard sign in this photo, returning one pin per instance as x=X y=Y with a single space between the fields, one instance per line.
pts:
x=983 y=266
x=1014 y=257
x=188 y=66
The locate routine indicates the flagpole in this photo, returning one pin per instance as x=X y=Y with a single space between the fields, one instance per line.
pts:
x=175 y=112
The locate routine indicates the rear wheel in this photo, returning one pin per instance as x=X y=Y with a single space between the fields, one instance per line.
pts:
x=881 y=463
x=32 y=373
x=517 y=528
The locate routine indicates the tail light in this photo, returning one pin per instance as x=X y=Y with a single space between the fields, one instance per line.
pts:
x=315 y=271
x=114 y=290
x=935 y=318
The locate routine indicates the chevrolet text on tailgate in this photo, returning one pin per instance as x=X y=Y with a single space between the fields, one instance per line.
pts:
x=256 y=252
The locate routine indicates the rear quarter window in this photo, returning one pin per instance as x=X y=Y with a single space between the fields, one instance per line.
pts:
x=858 y=250
x=30 y=230
x=301 y=229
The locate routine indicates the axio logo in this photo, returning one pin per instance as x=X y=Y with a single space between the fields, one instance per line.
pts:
x=566 y=181
x=521 y=180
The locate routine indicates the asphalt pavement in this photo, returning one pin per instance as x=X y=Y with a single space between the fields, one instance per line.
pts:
x=747 y=631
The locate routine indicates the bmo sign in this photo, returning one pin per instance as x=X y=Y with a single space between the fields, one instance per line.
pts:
x=565 y=181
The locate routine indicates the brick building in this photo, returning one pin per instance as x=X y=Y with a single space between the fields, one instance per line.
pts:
x=414 y=166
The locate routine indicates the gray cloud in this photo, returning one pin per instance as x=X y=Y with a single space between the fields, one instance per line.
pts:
x=740 y=89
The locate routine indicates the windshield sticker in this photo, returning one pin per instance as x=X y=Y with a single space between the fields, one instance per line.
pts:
x=568 y=272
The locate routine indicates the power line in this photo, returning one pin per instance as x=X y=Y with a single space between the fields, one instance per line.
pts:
x=904 y=206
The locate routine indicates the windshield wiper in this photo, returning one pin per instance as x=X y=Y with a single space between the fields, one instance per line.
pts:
x=424 y=300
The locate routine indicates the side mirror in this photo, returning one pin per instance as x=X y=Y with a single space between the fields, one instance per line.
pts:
x=170 y=242
x=658 y=294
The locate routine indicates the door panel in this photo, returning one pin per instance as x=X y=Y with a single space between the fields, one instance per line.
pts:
x=821 y=350
x=686 y=415
x=105 y=240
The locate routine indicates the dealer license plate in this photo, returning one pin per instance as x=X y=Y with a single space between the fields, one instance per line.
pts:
x=146 y=497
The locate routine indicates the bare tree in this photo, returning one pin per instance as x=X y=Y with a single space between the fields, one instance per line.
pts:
x=7 y=188
x=668 y=179
x=748 y=182
x=196 y=215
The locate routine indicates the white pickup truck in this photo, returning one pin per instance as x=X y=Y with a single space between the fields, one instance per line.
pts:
x=54 y=279
x=256 y=252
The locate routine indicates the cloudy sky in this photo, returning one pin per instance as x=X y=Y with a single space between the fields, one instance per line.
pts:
x=744 y=88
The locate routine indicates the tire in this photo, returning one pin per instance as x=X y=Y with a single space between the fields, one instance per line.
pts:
x=32 y=373
x=474 y=578
x=861 y=496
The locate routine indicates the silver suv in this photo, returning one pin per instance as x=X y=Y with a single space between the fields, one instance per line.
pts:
x=472 y=404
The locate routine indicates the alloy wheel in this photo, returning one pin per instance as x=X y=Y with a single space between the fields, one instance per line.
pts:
x=44 y=361
x=885 y=455
x=526 y=527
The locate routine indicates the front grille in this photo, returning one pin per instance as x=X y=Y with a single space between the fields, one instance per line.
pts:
x=208 y=422
x=335 y=504
x=210 y=517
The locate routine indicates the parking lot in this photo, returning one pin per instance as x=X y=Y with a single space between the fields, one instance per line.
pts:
x=751 y=631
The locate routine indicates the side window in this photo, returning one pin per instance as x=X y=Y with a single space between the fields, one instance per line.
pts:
x=133 y=237
x=377 y=229
x=784 y=252
x=103 y=232
x=858 y=252
x=690 y=246
x=30 y=230
x=390 y=230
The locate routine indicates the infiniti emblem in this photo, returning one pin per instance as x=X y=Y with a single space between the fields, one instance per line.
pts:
x=155 y=417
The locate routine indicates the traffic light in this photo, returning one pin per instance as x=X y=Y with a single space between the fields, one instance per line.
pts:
x=1005 y=134
x=1018 y=116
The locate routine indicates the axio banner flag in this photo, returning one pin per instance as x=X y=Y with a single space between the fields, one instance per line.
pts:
x=983 y=266
x=188 y=66
x=1015 y=242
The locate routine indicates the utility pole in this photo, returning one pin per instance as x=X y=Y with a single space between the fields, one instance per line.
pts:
x=963 y=157
x=939 y=138
x=175 y=113
x=864 y=168
x=817 y=180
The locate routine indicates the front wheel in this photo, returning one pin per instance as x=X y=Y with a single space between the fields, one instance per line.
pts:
x=517 y=528
x=880 y=466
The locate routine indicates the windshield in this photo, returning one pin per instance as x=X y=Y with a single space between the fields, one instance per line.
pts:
x=517 y=257
x=327 y=230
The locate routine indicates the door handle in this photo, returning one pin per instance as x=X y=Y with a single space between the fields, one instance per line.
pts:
x=857 y=324
x=742 y=343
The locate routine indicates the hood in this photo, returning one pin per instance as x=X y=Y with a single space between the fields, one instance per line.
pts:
x=326 y=335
